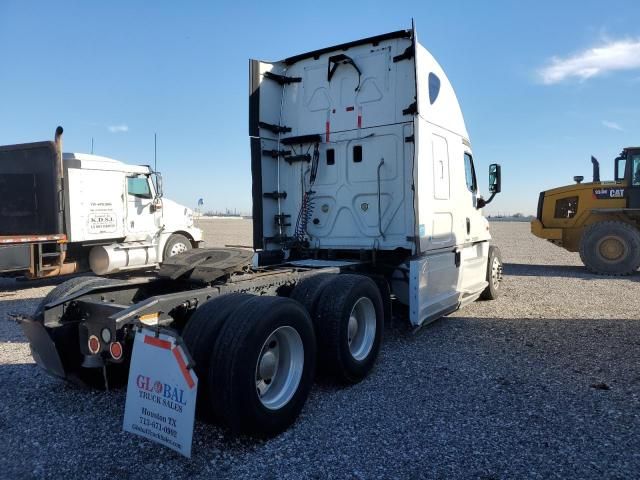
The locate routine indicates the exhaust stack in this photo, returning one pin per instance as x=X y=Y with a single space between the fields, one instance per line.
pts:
x=596 y=169
x=59 y=179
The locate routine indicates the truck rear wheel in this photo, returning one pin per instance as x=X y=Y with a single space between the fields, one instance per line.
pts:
x=611 y=248
x=309 y=290
x=177 y=243
x=349 y=321
x=200 y=335
x=263 y=366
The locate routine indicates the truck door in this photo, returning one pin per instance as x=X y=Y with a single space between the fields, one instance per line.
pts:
x=140 y=220
x=474 y=251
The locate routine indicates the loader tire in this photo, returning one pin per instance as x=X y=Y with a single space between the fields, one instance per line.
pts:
x=494 y=274
x=349 y=321
x=200 y=335
x=611 y=248
x=263 y=366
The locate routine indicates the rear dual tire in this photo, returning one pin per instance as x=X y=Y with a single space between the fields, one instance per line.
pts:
x=256 y=365
x=348 y=316
x=256 y=357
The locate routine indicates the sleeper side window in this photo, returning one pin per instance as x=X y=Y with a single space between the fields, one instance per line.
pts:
x=138 y=187
x=470 y=174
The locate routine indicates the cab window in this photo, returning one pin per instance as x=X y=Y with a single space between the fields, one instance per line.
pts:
x=138 y=187
x=469 y=173
x=635 y=170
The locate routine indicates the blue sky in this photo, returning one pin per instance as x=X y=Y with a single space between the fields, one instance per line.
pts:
x=543 y=85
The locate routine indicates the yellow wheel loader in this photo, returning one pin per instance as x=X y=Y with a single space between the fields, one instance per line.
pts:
x=601 y=220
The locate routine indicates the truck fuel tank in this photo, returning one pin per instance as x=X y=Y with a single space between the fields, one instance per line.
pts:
x=105 y=259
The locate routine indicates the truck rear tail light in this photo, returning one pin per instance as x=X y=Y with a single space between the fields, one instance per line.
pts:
x=115 y=349
x=94 y=344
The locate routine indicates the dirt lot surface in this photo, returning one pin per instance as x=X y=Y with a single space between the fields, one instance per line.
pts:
x=544 y=382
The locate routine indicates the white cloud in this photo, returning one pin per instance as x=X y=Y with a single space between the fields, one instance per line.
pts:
x=611 y=56
x=612 y=125
x=118 y=128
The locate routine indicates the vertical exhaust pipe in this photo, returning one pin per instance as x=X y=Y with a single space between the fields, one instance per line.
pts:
x=59 y=180
x=596 y=169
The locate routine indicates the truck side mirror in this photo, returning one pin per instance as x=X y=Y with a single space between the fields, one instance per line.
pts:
x=158 y=184
x=495 y=184
x=495 y=178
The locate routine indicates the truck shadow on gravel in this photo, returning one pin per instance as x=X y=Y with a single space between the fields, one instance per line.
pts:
x=565 y=271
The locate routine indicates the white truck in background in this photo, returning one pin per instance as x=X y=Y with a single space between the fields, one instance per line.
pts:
x=364 y=198
x=74 y=212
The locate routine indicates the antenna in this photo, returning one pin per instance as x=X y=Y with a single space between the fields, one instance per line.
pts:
x=155 y=152
x=91 y=145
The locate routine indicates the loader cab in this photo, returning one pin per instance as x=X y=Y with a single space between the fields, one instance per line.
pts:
x=628 y=163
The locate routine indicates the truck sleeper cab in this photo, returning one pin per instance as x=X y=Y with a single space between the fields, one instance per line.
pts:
x=361 y=150
x=364 y=190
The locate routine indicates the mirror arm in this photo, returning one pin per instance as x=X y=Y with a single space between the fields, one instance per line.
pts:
x=481 y=202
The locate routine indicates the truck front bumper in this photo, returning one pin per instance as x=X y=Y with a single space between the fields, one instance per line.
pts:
x=539 y=230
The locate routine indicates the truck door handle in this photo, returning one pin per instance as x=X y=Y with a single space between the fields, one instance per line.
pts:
x=468 y=226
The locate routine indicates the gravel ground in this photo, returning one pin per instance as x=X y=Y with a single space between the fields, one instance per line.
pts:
x=544 y=382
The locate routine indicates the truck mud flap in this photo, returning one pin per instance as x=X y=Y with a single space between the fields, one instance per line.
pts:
x=43 y=348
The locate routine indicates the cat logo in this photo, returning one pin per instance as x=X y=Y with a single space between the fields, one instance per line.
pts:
x=607 y=193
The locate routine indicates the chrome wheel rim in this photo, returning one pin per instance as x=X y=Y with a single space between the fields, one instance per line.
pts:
x=496 y=272
x=279 y=367
x=177 y=248
x=361 y=329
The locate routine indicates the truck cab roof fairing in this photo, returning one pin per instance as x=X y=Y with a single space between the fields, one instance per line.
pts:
x=362 y=99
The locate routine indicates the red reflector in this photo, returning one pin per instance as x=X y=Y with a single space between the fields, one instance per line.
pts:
x=115 y=349
x=94 y=344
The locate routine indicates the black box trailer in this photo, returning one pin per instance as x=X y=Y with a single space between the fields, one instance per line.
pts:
x=32 y=233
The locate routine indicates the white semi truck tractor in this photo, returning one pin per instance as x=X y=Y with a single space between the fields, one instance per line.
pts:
x=74 y=212
x=364 y=198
